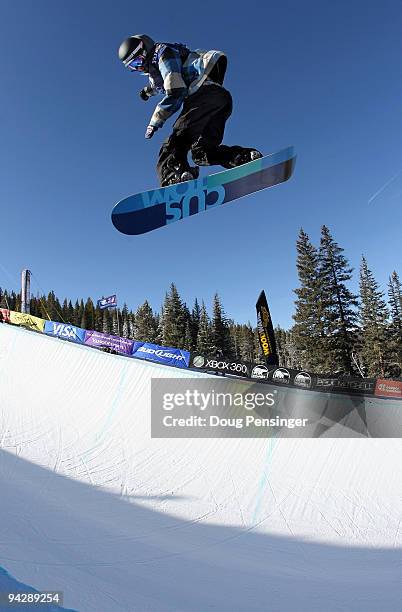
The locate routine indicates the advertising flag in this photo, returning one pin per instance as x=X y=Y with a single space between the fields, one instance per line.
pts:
x=266 y=331
x=108 y=302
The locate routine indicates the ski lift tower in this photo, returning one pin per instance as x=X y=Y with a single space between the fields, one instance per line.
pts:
x=25 y=291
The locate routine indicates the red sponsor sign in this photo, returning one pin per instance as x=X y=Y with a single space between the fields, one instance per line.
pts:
x=388 y=388
x=4 y=315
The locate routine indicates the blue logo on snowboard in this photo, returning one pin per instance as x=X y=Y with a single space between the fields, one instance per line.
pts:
x=185 y=199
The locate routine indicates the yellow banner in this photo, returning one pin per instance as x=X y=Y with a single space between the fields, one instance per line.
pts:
x=27 y=320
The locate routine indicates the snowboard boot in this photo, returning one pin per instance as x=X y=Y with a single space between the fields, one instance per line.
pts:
x=244 y=156
x=187 y=175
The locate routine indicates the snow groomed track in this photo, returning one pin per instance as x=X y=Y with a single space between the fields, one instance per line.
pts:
x=92 y=506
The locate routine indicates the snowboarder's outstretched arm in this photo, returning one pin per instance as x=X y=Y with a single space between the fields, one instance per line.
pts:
x=170 y=67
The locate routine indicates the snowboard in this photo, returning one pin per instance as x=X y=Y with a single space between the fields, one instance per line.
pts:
x=146 y=211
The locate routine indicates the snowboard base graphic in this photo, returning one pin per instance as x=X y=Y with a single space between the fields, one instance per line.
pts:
x=146 y=211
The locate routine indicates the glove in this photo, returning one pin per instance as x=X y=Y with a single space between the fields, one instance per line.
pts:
x=150 y=131
x=144 y=95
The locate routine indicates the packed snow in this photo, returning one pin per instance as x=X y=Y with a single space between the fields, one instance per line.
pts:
x=92 y=506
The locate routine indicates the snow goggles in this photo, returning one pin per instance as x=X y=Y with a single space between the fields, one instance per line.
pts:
x=137 y=63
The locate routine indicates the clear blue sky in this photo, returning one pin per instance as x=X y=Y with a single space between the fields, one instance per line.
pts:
x=323 y=76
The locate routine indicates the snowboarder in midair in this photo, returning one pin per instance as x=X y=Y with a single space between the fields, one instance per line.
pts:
x=193 y=81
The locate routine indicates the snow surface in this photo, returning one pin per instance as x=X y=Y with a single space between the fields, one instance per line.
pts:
x=92 y=506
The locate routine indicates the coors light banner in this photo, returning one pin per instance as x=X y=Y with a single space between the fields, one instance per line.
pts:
x=265 y=330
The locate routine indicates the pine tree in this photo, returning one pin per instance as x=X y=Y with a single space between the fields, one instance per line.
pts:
x=89 y=313
x=195 y=321
x=99 y=317
x=235 y=332
x=339 y=303
x=42 y=306
x=395 y=327
x=131 y=326
x=188 y=342
x=124 y=321
x=246 y=343
x=174 y=319
x=82 y=315
x=204 y=344
x=309 y=329
x=79 y=313
x=13 y=300
x=288 y=353
x=373 y=316
x=115 y=322
x=106 y=326
x=53 y=307
x=64 y=310
x=145 y=326
x=221 y=341
x=125 y=328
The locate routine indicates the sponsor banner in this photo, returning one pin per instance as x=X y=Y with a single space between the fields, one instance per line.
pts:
x=294 y=378
x=161 y=354
x=4 y=315
x=107 y=302
x=303 y=379
x=260 y=372
x=65 y=331
x=265 y=331
x=388 y=388
x=27 y=320
x=286 y=377
x=100 y=340
x=307 y=380
x=363 y=386
x=281 y=375
x=220 y=364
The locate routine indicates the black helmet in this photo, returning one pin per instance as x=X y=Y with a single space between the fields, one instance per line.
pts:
x=134 y=51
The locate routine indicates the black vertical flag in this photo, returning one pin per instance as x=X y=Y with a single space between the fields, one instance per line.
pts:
x=266 y=331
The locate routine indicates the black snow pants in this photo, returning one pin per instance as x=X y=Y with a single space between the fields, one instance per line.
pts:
x=199 y=128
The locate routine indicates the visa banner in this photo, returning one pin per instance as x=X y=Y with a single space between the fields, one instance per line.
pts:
x=161 y=354
x=27 y=320
x=65 y=331
x=100 y=340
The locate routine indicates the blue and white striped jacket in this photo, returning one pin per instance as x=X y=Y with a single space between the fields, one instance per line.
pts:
x=177 y=72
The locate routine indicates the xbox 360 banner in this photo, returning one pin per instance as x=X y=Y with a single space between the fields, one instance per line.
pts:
x=220 y=364
x=265 y=331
